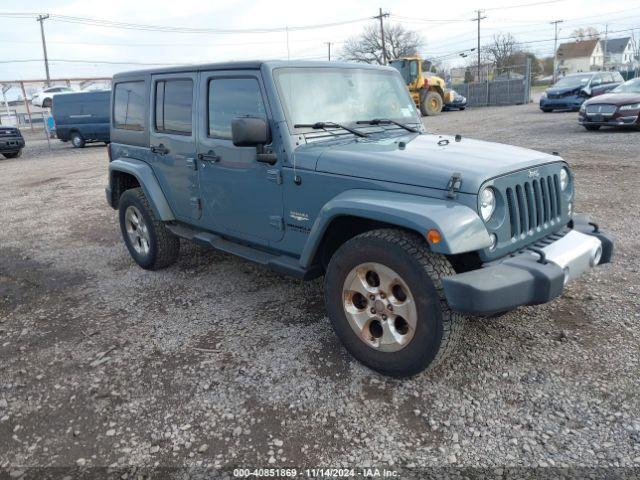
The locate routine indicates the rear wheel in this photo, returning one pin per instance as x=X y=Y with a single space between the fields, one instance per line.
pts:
x=431 y=104
x=592 y=127
x=148 y=240
x=77 y=140
x=385 y=300
x=547 y=110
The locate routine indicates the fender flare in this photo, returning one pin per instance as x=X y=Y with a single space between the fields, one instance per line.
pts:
x=148 y=182
x=461 y=228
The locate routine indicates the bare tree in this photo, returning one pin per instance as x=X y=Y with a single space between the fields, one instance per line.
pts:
x=502 y=50
x=588 y=33
x=367 y=47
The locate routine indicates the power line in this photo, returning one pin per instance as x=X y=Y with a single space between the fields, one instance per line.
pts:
x=166 y=45
x=484 y=48
x=169 y=29
x=525 y=5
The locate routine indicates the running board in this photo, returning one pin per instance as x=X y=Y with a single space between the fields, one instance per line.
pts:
x=280 y=263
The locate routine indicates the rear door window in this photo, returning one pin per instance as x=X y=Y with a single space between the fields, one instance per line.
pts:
x=128 y=106
x=174 y=106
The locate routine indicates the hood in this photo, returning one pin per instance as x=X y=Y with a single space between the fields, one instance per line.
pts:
x=563 y=90
x=422 y=162
x=7 y=131
x=615 y=98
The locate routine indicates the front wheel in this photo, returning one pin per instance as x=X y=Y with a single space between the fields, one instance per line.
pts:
x=148 y=240
x=431 y=104
x=384 y=297
x=77 y=140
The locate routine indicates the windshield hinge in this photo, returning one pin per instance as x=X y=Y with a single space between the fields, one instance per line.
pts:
x=454 y=185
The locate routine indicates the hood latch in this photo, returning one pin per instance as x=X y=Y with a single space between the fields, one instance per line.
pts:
x=454 y=185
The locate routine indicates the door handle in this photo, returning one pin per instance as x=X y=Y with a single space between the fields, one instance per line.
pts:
x=209 y=157
x=159 y=149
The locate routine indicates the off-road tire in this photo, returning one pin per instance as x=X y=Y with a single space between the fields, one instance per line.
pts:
x=431 y=104
x=77 y=140
x=164 y=246
x=592 y=127
x=13 y=154
x=438 y=327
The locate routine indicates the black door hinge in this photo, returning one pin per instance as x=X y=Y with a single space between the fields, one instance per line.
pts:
x=454 y=184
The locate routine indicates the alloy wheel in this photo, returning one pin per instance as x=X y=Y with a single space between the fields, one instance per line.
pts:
x=137 y=230
x=380 y=307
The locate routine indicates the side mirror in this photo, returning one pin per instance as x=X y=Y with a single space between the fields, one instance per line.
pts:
x=250 y=132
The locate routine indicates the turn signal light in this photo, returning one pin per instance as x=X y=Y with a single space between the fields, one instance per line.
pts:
x=434 y=236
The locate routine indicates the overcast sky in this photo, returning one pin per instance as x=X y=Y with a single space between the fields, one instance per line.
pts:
x=447 y=29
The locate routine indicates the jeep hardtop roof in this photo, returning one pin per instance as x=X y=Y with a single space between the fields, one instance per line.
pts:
x=244 y=65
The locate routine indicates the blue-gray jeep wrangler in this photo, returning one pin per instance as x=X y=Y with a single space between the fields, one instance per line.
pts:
x=325 y=169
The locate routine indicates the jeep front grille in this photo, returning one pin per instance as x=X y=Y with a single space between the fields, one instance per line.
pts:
x=534 y=205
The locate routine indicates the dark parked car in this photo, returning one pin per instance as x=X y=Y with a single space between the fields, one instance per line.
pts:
x=619 y=108
x=569 y=92
x=458 y=102
x=11 y=142
x=82 y=117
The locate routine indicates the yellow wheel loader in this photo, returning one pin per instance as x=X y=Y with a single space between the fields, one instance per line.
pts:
x=427 y=90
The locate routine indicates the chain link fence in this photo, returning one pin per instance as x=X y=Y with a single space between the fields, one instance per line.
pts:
x=497 y=86
x=17 y=109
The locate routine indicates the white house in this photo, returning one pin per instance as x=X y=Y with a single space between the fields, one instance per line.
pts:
x=620 y=54
x=581 y=56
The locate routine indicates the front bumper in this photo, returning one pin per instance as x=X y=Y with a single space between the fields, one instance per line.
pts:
x=11 y=144
x=563 y=103
x=612 y=120
x=527 y=277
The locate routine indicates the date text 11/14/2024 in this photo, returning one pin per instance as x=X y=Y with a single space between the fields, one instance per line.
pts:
x=369 y=472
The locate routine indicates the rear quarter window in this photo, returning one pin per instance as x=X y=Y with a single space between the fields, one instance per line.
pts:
x=129 y=106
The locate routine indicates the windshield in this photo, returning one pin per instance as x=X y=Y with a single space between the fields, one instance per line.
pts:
x=343 y=95
x=573 y=81
x=632 y=86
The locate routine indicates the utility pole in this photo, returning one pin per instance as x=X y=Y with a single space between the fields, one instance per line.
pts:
x=328 y=50
x=555 y=47
x=384 y=48
x=480 y=17
x=604 y=53
x=41 y=19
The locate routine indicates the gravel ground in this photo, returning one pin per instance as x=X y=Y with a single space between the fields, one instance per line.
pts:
x=219 y=363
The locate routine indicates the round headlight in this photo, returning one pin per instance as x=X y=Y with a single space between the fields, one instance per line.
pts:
x=487 y=203
x=564 y=179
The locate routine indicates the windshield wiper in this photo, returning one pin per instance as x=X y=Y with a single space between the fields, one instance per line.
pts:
x=383 y=121
x=325 y=125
